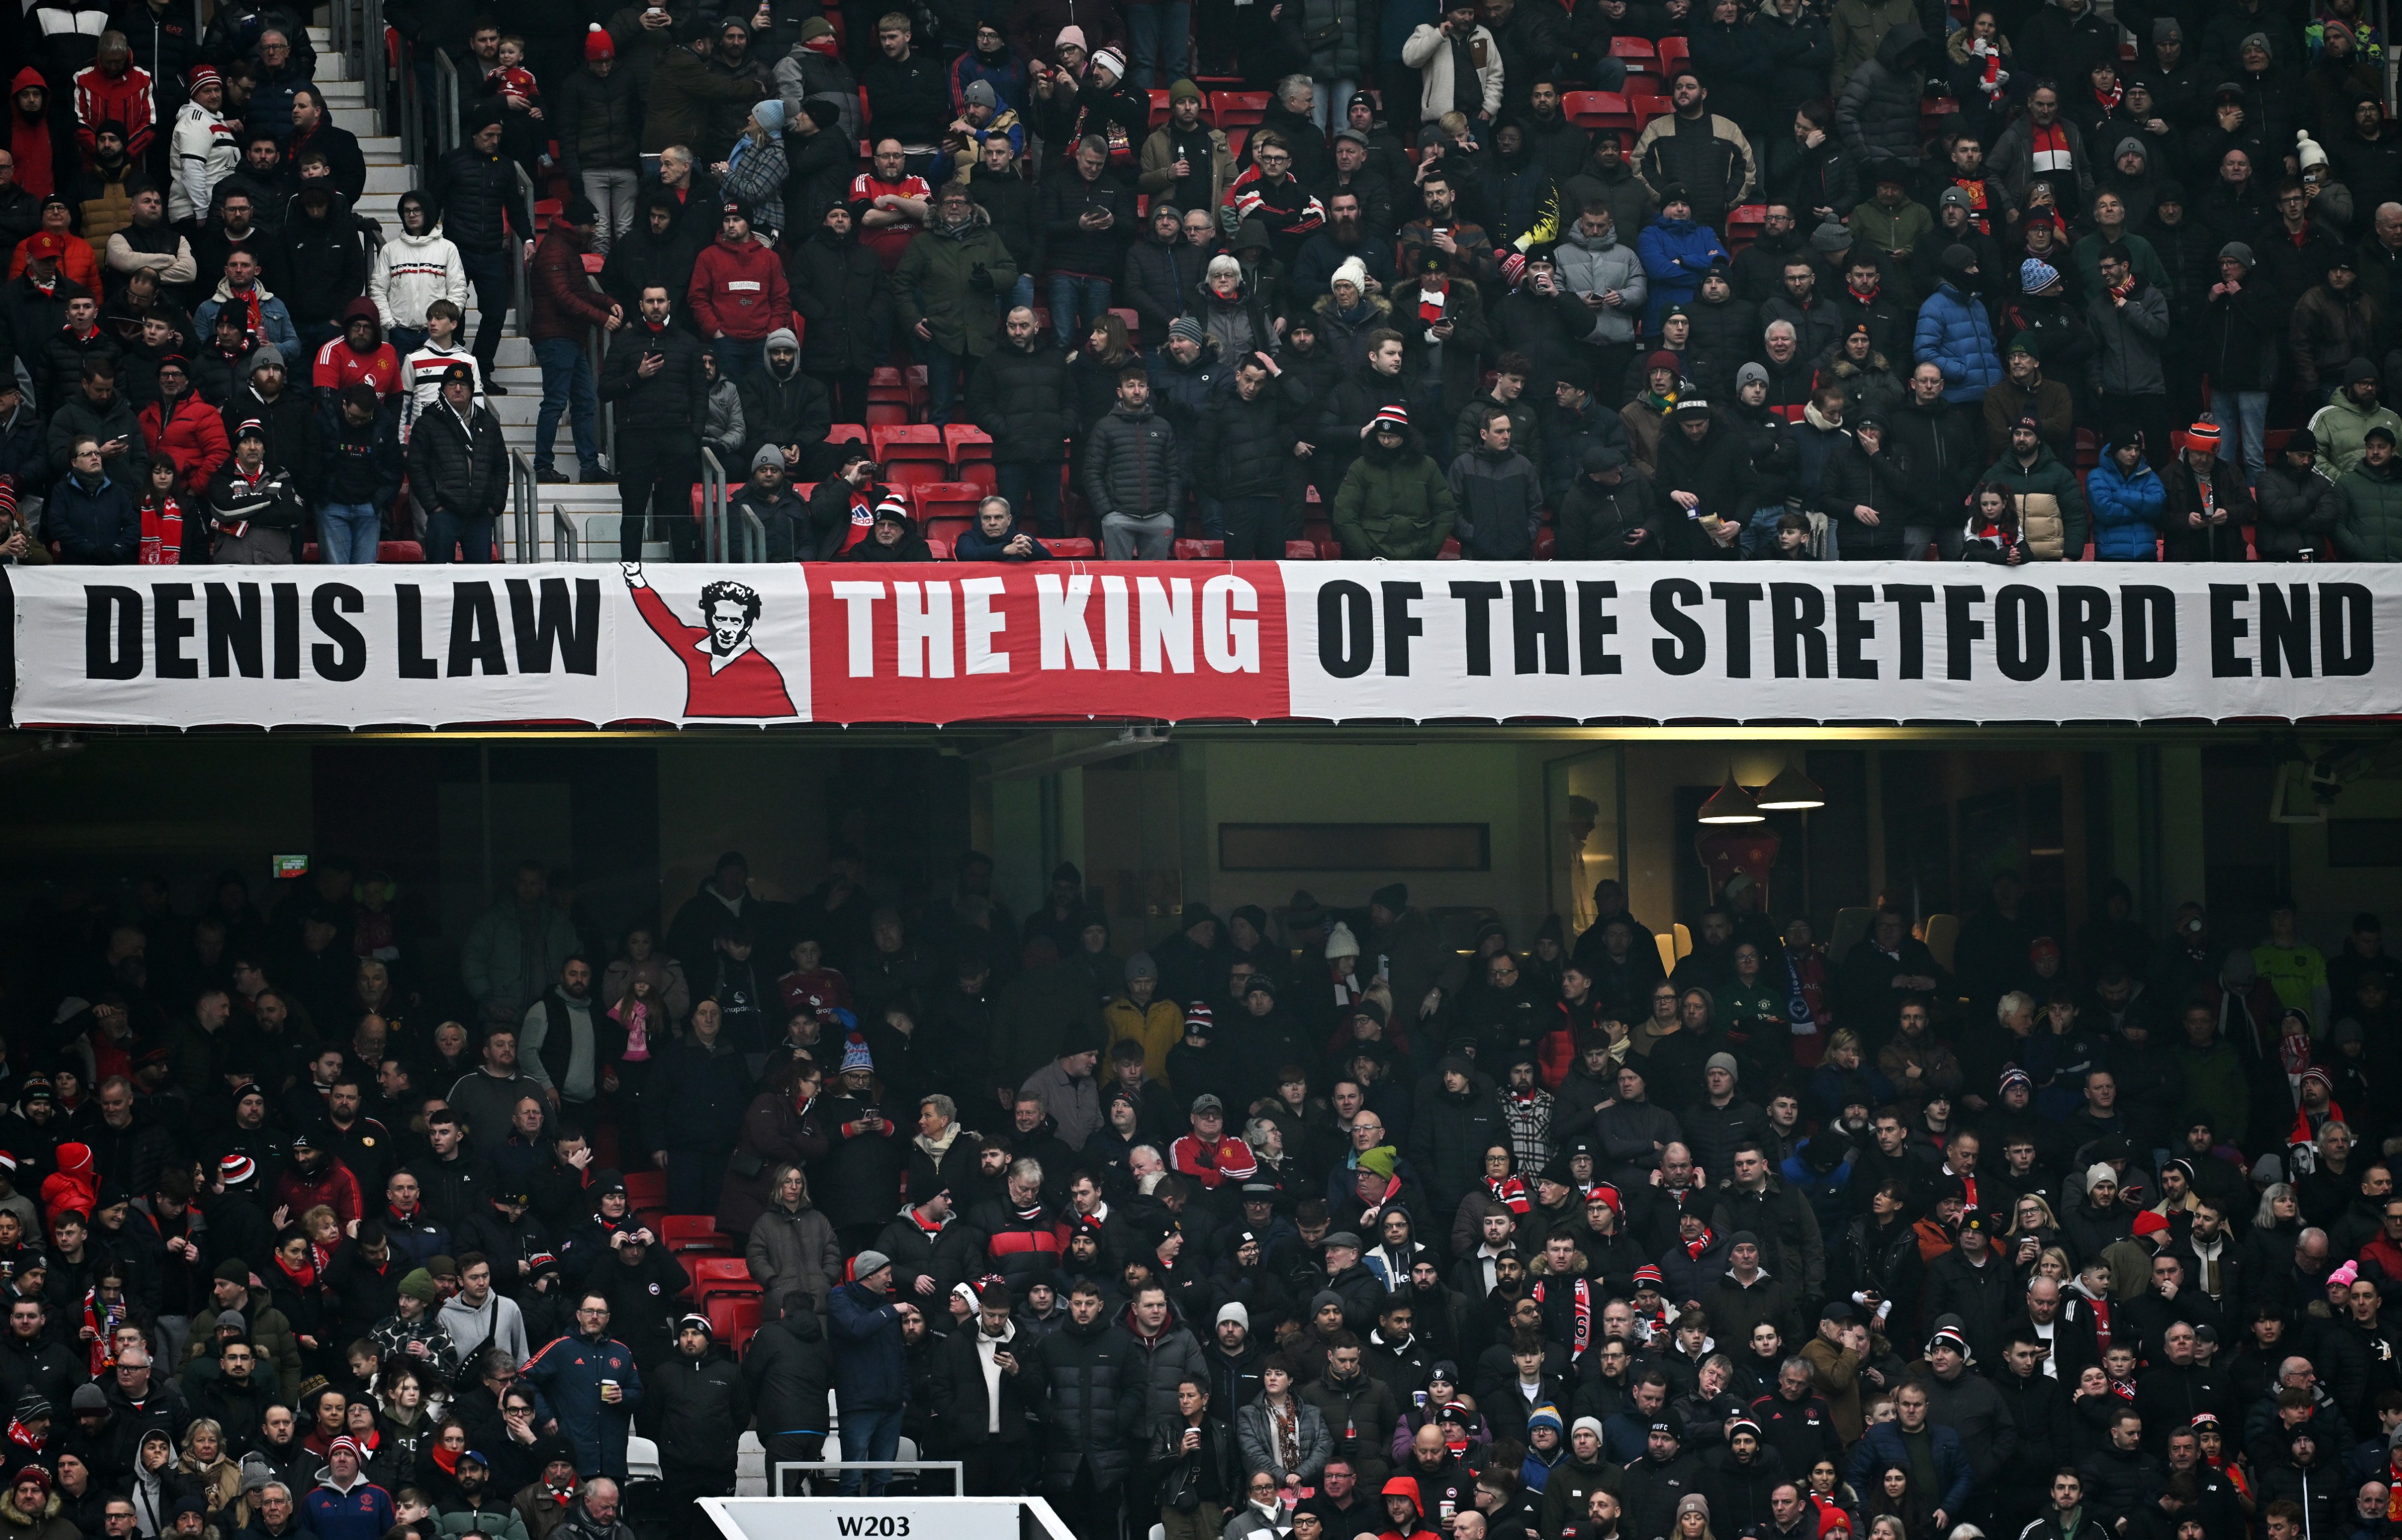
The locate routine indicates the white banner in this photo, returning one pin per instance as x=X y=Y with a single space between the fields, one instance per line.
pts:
x=1649 y=643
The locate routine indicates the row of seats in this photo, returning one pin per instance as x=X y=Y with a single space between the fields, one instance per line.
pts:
x=722 y=1285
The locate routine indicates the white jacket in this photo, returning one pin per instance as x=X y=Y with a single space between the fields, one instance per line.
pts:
x=412 y=271
x=205 y=154
x=1428 y=52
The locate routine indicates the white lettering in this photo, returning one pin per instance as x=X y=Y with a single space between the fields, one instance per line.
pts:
x=1113 y=622
x=923 y=636
x=860 y=599
x=976 y=595
x=1232 y=646
x=1066 y=642
x=1167 y=623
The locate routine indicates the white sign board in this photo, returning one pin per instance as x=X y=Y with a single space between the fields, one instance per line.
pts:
x=876 y=1517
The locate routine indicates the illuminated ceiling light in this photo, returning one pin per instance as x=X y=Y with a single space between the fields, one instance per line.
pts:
x=1791 y=791
x=1732 y=804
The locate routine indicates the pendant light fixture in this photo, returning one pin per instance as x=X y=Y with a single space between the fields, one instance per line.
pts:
x=1731 y=804
x=1791 y=791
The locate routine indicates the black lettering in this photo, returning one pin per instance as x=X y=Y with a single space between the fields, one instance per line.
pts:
x=1913 y=597
x=283 y=604
x=1401 y=622
x=475 y=631
x=1796 y=614
x=2150 y=613
x=1538 y=622
x=2023 y=624
x=1739 y=597
x=172 y=626
x=2285 y=629
x=2347 y=630
x=2084 y=632
x=1347 y=636
x=1596 y=625
x=1477 y=599
x=414 y=664
x=112 y=632
x=346 y=657
x=576 y=635
x=1961 y=628
x=2226 y=627
x=236 y=641
x=1853 y=631
x=1684 y=648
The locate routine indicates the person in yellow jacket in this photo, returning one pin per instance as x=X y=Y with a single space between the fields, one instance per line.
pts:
x=1139 y=1015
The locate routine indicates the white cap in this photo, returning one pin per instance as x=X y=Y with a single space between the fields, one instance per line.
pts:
x=1232 y=1311
x=1340 y=943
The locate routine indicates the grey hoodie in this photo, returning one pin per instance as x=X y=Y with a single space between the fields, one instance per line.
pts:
x=1596 y=263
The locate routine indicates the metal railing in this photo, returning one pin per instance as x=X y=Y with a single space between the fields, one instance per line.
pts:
x=596 y=347
x=755 y=536
x=520 y=291
x=563 y=535
x=524 y=494
x=446 y=119
x=778 y=1487
x=712 y=509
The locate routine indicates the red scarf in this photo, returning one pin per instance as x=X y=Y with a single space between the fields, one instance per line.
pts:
x=1865 y=300
x=1696 y=1248
x=1582 y=1335
x=1510 y=1193
x=2108 y=101
x=1431 y=303
x=305 y=1277
x=448 y=1459
x=162 y=532
x=2124 y=290
x=917 y=1218
x=560 y=1495
x=249 y=299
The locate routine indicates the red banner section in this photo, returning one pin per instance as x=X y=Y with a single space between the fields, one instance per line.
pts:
x=962 y=642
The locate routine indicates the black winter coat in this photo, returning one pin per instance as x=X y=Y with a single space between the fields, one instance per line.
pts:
x=961 y=1405
x=1852 y=479
x=697 y=1409
x=1009 y=203
x=637 y=260
x=2297 y=511
x=1093 y=1405
x=1594 y=519
x=949 y=1257
x=461 y=467
x=1065 y=199
x=1130 y=464
x=478 y=195
x=1243 y=448
x=818 y=172
x=696 y=1094
x=320 y=264
x=1024 y=398
x=791 y=410
x=839 y=289
x=669 y=400
x=598 y=122
x=787 y=1374
x=1941 y=445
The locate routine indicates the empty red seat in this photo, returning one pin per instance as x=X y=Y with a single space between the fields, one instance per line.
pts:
x=723 y=1275
x=1747 y=214
x=947 y=498
x=1673 y=51
x=948 y=529
x=692 y=1233
x=842 y=431
x=939 y=549
x=1631 y=47
x=912 y=473
x=1238 y=109
x=1546 y=541
x=1300 y=550
x=1450 y=551
x=1158 y=106
x=1597 y=110
x=399 y=550
x=982 y=473
x=886 y=414
x=886 y=384
x=962 y=443
x=1070 y=548
x=1648 y=107
x=647 y=1187
x=907 y=441
x=735 y=1321
x=1200 y=550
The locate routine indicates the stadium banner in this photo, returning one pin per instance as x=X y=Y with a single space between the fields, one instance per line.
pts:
x=595 y=644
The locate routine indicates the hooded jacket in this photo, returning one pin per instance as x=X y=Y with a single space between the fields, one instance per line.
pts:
x=320 y=262
x=1955 y=335
x=2052 y=508
x=1676 y=254
x=2368 y=513
x=1499 y=500
x=948 y=278
x=1877 y=115
x=1594 y=265
x=738 y=291
x=786 y=407
x=412 y=271
x=2127 y=341
x=2126 y=510
x=1130 y=464
x=2298 y=512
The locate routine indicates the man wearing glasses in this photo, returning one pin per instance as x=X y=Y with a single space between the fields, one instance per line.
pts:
x=592 y=1385
x=1270 y=193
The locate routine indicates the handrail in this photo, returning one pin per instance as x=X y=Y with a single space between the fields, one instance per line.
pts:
x=523 y=497
x=712 y=509
x=520 y=292
x=596 y=346
x=446 y=123
x=754 y=537
x=563 y=535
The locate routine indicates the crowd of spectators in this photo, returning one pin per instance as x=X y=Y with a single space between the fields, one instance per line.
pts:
x=1869 y=279
x=2054 y=1237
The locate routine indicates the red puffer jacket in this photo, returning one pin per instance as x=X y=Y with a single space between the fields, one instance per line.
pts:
x=739 y=290
x=194 y=437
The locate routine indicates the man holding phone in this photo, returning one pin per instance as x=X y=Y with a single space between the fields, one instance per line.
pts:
x=984 y=1397
x=653 y=375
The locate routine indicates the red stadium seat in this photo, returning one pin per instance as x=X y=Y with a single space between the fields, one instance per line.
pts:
x=982 y=473
x=399 y=550
x=1158 y=106
x=647 y=1187
x=1133 y=319
x=948 y=529
x=914 y=472
x=1673 y=52
x=1597 y=110
x=1546 y=541
x=1329 y=550
x=735 y=1321
x=1450 y=551
x=692 y=1233
x=888 y=414
x=1200 y=550
x=1647 y=107
x=908 y=441
x=1238 y=109
x=886 y=384
x=1068 y=548
x=1631 y=47
x=1300 y=550
x=939 y=549
x=729 y=1275
x=947 y=499
x=962 y=443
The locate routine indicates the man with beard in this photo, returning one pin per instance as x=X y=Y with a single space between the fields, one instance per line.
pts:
x=556 y=1051
x=1351 y=232
x=1759 y=269
x=1711 y=489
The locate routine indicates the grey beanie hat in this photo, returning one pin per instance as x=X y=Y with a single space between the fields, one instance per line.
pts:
x=2237 y=250
x=869 y=1262
x=2260 y=37
x=2132 y=146
x=979 y=94
x=1749 y=373
x=1185 y=329
x=783 y=337
x=1140 y=965
x=1829 y=237
x=2166 y=30
x=1324 y=1298
x=768 y=454
x=267 y=354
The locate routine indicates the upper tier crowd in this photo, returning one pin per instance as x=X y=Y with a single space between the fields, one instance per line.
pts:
x=1876 y=280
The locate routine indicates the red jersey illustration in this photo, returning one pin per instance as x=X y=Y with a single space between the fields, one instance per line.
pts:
x=725 y=675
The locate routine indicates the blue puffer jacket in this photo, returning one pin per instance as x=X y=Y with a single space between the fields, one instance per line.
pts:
x=568 y=1372
x=870 y=1367
x=2126 y=511
x=1956 y=336
x=1676 y=254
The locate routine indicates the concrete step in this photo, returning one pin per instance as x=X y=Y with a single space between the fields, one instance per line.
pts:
x=393 y=179
x=381 y=149
x=340 y=94
x=321 y=36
